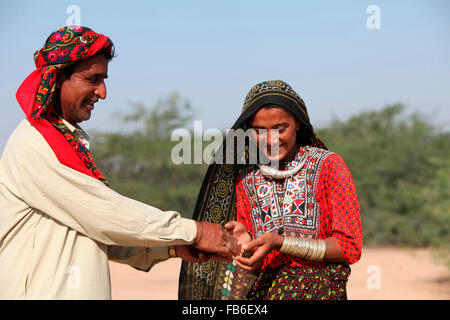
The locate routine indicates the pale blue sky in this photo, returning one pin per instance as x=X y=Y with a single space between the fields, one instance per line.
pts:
x=213 y=52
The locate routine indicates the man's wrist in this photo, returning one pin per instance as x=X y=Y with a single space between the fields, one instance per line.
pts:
x=199 y=235
x=172 y=252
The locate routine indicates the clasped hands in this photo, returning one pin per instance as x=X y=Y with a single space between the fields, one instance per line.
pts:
x=230 y=244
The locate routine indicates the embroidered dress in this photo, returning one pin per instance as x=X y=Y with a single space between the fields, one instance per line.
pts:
x=316 y=203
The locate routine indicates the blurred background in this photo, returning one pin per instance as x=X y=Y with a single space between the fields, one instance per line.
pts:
x=374 y=75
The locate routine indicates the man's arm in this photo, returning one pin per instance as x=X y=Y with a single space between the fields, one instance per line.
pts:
x=86 y=205
x=141 y=258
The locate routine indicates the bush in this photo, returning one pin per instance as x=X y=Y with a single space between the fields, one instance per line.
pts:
x=400 y=165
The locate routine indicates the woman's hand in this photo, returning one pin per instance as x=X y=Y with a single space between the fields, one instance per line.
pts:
x=236 y=235
x=261 y=246
x=238 y=231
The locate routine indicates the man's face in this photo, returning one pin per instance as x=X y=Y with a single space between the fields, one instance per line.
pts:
x=83 y=88
x=275 y=127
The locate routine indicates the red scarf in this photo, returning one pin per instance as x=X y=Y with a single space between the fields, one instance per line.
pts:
x=35 y=95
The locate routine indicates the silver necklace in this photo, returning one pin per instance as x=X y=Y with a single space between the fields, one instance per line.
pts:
x=273 y=173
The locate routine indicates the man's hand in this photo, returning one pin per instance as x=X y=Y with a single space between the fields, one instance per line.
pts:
x=212 y=238
x=191 y=254
x=262 y=246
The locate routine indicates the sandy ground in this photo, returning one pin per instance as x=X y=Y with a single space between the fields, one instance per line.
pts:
x=382 y=273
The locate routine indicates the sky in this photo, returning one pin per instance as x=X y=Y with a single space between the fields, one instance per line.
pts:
x=213 y=52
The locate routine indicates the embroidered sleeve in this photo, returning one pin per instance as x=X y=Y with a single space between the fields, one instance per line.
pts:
x=345 y=209
x=243 y=208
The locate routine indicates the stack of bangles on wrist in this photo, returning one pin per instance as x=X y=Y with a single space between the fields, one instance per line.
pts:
x=304 y=248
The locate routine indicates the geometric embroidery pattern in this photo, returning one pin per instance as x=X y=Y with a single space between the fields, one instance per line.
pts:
x=289 y=203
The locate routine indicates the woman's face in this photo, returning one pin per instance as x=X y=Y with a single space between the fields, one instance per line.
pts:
x=275 y=127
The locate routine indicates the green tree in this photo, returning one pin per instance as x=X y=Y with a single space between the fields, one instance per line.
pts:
x=138 y=164
x=400 y=165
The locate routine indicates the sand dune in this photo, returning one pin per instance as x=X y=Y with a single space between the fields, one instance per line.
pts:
x=382 y=273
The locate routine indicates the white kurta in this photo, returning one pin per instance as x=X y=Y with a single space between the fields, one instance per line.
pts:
x=59 y=226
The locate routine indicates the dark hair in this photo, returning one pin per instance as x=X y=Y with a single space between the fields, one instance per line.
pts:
x=275 y=106
x=68 y=71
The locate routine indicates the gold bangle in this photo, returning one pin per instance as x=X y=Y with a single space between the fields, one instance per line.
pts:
x=324 y=250
x=305 y=249
x=290 y=245
x=293 y=246
x=284 y=245
x=315 y=250
x=298 y=248
x=319 y=250
x=287 y=245
x=309 y=247
x=172 y=252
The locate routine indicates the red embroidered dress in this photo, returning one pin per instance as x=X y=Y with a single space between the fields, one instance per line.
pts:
x=317 y=202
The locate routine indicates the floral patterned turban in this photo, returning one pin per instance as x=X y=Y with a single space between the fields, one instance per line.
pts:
x=35 y=95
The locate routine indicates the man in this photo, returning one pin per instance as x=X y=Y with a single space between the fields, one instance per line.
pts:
x=59 y=220
x=303 y=217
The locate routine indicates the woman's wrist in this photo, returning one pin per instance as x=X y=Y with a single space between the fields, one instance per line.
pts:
x=278 y=241
x=310 y=249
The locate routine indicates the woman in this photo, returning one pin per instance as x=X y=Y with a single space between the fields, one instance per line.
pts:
x=304 y=217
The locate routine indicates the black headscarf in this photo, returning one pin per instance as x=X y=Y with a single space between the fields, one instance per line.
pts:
x=279 y=93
